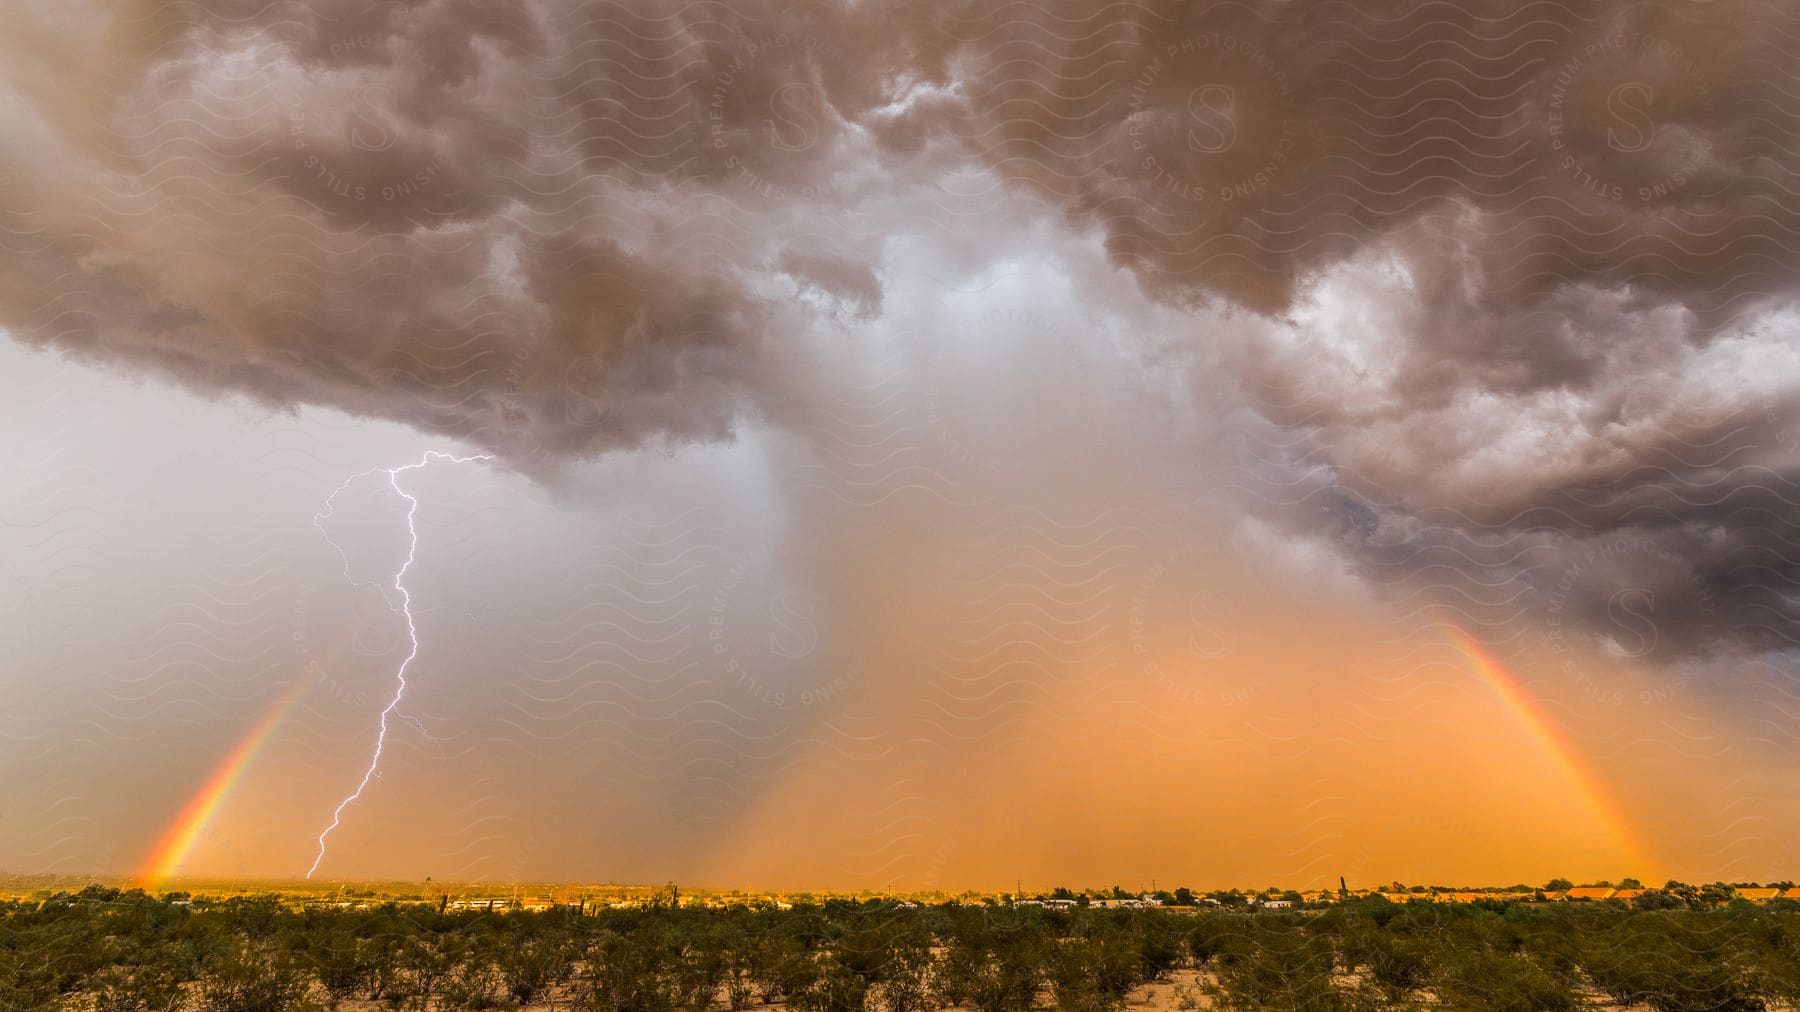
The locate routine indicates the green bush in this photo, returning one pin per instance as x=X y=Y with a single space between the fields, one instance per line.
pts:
x=103 y=950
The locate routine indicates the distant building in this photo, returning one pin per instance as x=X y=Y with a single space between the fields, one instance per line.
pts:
x=1107 y=903
x=1758 y=894
x=480 y=903
x=1589 y=893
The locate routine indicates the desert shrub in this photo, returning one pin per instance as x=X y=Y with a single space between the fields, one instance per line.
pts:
x=344 y=964
x=907 y=983
x=1486 y=979
x=995 y=961
x=143 y=988
x=106 y=950
x=1394 y=964
x=650 y=969
x=835 y=987
x=473 y=982
x=529 y=968
x=1276 y=965
x=253 y=977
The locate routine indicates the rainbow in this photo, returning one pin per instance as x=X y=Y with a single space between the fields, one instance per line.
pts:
x=1556 y=744
x=195 y=816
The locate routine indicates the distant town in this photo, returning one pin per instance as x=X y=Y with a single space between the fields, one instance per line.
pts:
x=542 y=896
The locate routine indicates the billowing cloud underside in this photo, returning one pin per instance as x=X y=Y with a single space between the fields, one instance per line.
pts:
x=1521 y=274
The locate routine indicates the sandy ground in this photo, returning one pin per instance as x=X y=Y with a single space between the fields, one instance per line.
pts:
x=1163 y=995
x=1183 y=990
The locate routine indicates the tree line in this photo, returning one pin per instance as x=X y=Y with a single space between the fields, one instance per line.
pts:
x=108 y=950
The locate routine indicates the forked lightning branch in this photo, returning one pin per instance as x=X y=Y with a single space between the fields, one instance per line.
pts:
x=405 y=610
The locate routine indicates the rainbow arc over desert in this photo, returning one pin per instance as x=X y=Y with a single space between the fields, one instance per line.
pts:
x=195 y=816
x=1576 y=768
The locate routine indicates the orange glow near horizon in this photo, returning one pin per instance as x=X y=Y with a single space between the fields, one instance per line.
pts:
x=1579 y=772
x=200 y=813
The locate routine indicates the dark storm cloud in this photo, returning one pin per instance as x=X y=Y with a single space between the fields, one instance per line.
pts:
x=1524 y=269
x=1699 y=553
x=1232 y=149
x=523 y=225
x=1515 y=272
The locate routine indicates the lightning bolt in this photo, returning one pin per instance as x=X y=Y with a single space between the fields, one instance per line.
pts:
x=405 y=609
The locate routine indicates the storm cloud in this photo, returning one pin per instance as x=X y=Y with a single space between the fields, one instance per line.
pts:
x=1507 y=282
